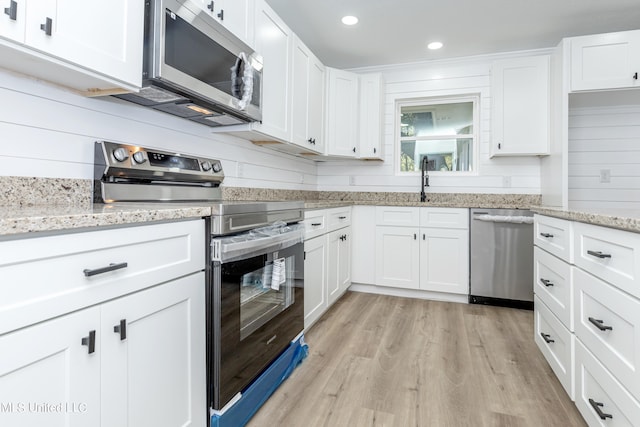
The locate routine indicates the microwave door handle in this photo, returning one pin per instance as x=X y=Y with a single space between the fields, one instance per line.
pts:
x=236 y=78
x=246 y=81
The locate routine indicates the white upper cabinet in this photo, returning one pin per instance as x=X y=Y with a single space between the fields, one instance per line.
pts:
x=342 y=113
x=274 y=41
x=308 y=99
x=74 y=43
x=605 y=61
x=520 y=106
x=236 y=16
x=371 y=116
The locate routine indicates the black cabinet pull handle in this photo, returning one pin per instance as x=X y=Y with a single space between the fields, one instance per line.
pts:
x=90 y=342
x=635 y=76
x=546 y=282
x=111 y=267
x=375 y=150
x=221 y=15
x=121 y=329
x=342 y=217
x=600 y=324
x=599 y=254
x=354 y=149
x=316 y=224
x=547 y=235
x=499 y=146
x=210 y=6
x=547 y=338
x=424 y=236
x=12 y=10
x=596 y=407
x=415 y=236
x=47 y=26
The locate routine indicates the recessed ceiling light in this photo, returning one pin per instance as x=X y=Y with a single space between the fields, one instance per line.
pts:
x=434 y=45
x=349 y=20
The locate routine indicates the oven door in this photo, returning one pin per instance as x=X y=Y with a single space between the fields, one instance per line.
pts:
x=258 y=307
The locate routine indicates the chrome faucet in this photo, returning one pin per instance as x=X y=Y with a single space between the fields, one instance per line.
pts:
x=425 y=178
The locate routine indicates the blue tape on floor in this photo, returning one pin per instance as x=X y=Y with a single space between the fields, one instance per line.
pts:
x=259 y=391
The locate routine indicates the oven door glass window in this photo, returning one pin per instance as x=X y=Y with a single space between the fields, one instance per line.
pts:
x=265 y=292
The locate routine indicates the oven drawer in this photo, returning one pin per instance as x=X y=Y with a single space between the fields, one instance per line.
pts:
x=553 y=284
x=339 y=218
x=44 y=277
x=608 y=323
x=556 y=344
x=554 y=236
x=611 y=255
x=315 y=223
x=597 y=388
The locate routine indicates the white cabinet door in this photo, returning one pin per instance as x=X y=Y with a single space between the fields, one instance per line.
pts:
x=444 y=260
x=339 y=263
x=605 y=61
x=363 y=246
x=520 y=106
x=47 y=364
x=105 y=39
x=397 y=257
x=154 y=368
x=237 y=17
x=342 y=113
x=306 y=125
x=315 y=279
x=12 y=21
x=371 y=109
x=273 y=40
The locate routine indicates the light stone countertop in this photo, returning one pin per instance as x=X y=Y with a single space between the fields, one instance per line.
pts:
x=623 y=219
x=15 y=221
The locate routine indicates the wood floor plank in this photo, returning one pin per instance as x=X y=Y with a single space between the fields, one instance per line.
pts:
x=387 y=361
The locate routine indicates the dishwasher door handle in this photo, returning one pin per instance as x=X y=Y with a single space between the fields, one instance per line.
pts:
x=504 y=219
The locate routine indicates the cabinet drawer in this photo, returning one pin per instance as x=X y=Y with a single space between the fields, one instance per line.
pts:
x=608 y=323
x=339 y=218
x=315 y=223
x=556 y=344
x=45 y=277
x=397 y=216
x=444 y=218
x=596 y=387
x=553 y=284
x=612 y=255
x=554 y=236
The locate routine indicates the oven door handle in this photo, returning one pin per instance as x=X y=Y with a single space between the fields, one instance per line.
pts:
x=242 y=246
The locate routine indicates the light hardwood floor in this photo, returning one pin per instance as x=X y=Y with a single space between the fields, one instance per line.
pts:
x=387 y=361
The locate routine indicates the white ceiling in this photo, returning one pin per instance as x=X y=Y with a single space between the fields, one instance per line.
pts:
x=397 y=31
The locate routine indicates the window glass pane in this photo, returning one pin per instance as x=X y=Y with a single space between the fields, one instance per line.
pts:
x=454 y=154
x=436 y=120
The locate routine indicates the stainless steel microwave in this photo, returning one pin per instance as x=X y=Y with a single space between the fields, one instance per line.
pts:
x=195 y=68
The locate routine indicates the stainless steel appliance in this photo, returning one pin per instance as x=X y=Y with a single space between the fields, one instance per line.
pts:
x=255 y=278
x=195 y=68
x=501 y=255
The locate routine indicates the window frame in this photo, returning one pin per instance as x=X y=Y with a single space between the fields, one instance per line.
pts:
x=427 y=101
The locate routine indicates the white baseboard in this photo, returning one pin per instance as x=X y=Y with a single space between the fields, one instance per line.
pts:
x=409 y=293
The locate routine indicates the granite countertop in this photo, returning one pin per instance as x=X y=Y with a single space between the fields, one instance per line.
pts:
x=623 y=219
x=18 y=220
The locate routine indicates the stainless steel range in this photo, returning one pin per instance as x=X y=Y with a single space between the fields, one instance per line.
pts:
x=255 y=278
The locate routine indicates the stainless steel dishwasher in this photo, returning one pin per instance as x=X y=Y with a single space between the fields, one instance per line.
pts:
x=501 y=256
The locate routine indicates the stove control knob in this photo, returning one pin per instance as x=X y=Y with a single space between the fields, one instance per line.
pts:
x=206 y=166
x=217 y=167
x=121 y=154
x=139 y=157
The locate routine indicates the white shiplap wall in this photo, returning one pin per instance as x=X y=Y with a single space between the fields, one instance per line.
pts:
x=430 y=79
x=46 y=131
x=604 y=138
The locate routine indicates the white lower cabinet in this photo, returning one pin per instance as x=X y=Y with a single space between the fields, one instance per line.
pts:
x=105 y=329
x=429 y=251
x=327 y=265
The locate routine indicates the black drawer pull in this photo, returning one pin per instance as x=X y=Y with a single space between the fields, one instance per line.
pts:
x=546 y=282
x=121 y=329
x=600 y=324
x=12 y=10
x=342 y=217
x=599 y=254
x=47 y=26
x=547 y=338
x=90 y=341
x=547 y=235
x=110 y=267
x=596 y=407
x=316 y=224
